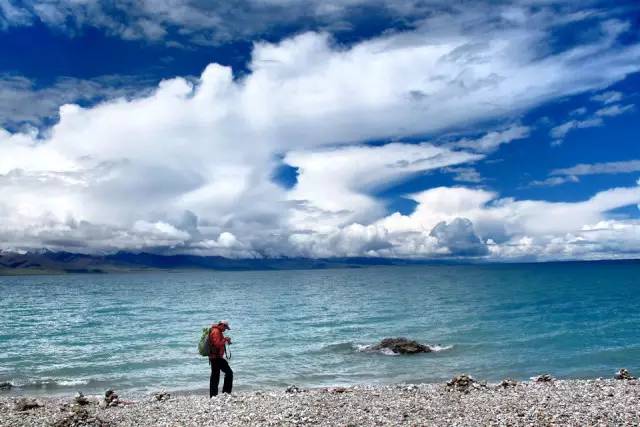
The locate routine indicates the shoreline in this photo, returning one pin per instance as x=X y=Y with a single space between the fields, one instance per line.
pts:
x=463 y=402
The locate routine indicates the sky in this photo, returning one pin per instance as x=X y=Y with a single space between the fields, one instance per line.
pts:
x=427 y=129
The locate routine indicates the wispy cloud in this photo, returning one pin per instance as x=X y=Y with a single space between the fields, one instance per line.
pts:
x=615 y=110
x=553 y=181
x=627 y=166
x=492 y=140
x=608 y=97
x=561 y=131
x=572 y=174
x=465 y=174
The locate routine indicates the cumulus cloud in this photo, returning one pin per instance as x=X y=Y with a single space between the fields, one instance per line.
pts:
x=458 y=237
x=188 y=167
x=354 y=173
x=520 y=228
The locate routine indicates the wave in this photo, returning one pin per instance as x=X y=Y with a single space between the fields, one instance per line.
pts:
x=342 y=347
x=46 y=383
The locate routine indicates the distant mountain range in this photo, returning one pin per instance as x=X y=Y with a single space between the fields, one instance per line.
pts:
x=46 y=262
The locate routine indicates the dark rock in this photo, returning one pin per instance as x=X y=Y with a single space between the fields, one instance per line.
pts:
x=111 y=398
x=25 y=404
x=507 y=383
x=294 y=389
x=401 y=346
x=81 y=399
x=161 y=396
x=339 y=390
x=545 y=378
x=623 y=374
x=463 y=383
x=6 y=386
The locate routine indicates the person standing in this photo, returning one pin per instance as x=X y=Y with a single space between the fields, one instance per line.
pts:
x=217 y=360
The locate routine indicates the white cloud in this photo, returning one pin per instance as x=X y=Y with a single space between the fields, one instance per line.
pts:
x=337 y=182
x=188 y=167
x=518 y=229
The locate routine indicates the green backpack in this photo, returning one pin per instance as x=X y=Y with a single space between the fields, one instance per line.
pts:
x=204 y=346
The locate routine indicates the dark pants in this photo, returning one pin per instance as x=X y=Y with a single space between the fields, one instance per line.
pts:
x=217 y=365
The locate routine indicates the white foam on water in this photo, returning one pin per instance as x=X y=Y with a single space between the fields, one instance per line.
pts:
x=437 y=348
x=369 y=349
x=69 y=382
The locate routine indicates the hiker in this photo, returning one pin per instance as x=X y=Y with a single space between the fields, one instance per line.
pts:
x=216 y=359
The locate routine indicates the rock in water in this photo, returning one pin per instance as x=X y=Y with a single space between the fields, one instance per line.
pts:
x=6 y=386
x=623 y=374
x=402 y=346
x=25 y=404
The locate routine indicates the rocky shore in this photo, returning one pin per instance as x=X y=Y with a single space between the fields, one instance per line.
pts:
x=462 y=401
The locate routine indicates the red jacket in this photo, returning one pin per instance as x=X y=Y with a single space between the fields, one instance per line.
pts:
x=217 y=341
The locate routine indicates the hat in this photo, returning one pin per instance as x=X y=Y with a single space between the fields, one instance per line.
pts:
x=225 y=323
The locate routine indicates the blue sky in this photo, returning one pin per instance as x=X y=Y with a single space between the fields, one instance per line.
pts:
x=494 y=130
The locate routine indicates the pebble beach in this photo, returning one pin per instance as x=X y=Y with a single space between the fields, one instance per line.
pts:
x=459 y=403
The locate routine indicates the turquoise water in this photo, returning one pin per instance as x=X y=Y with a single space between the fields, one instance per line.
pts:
x=139 y=332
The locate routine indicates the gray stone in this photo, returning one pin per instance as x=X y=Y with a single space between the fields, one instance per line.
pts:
x=26 y=403
x=462 y=383
x=80 y=417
